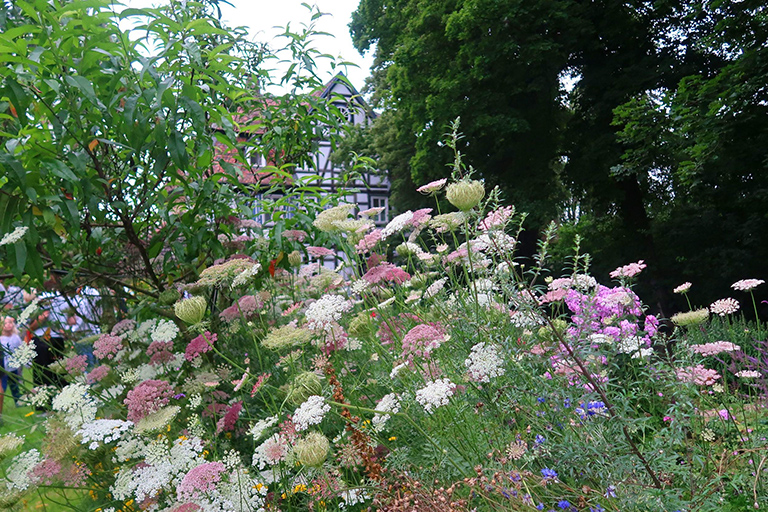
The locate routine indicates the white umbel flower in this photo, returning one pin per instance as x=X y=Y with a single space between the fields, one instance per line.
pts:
x=103 y=431
x=435 y=394
x=484 y=363
x=397 y=224
x=325 y=311
x=18 y=472
x=78 y=406
x=14 y=236
x=389 y=403
x=23 y=355
x=166 y=330
x=311 y=412
x=246 y=275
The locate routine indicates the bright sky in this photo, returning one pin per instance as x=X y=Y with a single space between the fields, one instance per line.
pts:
x=261 y=16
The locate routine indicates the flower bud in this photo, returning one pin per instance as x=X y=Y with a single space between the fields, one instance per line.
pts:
x=294 y=258
x=192 y=310
x=312 y=450
x=303 y=386
x=465 y=194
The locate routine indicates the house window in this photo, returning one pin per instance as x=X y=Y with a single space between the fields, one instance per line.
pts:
x=381 y=202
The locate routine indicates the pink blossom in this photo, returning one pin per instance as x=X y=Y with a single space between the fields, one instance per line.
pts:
x=552 y=296
x=368 y=242
x=186 y=507
x=432 y=186
x=146 y=398
x=723 y=414
x=200 y=479
x=200 y=345
x=295 y=235
x=76 y=365
x=497 y=218
x=107 y=346
x=160 y=352
x=260 y=382
x=630 y=270
x=386 y=272
x=245 y=306
x=711 y=349
x=319 y=252
x=697 y=375
x=46 y=472
x=421 y=340
x=97 y=374
x=420 y=217
x=123 y=326
x=227 y=422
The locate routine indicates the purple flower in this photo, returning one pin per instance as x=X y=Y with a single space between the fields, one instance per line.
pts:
x=548 y=474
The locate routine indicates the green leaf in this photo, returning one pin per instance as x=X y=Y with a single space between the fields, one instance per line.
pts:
x=178 y=150
x=18 y=98
x=21 y=257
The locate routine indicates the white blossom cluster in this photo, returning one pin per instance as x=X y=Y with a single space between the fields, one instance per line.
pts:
x=78 y=406
x=326 y=310
x=23 y=355
x=435 y=288
x=145 y=329
x=257 y=429
x=633 y=345
x=166 y=330
x=525 y=319
x=270 y=452
x=435 y=394
x=14 y=236
x=246 y=275
x=103 y=431
x=239 y=493
x=31 y=307
x=388 y=403
x=310 y=412
x=18 y=472
x=484 y=363
x=397 y=224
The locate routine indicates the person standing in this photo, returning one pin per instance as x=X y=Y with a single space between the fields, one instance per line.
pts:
x=48 y=332
x=10 y=341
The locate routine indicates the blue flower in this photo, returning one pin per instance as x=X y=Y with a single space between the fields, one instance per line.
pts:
x=542 y=399
x=548 y=474
x=596 y=508
x=540 y=439
x=610 y=492
x=567 y=403
x=540 y=506
x=564 y=504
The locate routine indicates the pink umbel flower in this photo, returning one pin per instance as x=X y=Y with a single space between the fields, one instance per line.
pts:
x=683 y=288
x=697 y=375
x=227 y=422
x=107 y=346
x=244 y=306
x=46 y=473
x=76 y=365
x=368 y=242
x=160 y=352
x=746 y=285
x=497 y=219
x=421 y=218
x=271 y=452
x=123 y=326
x=97 y=374
x=421 y=340
x=260 y=382
x=319 y=252
x=386 y=272
x=724 y=307
x=711 y=349
x=200 y=345
x=295 y=235
x=146 y=398
x=432 y=186
x=200 y=480
x=630 y=270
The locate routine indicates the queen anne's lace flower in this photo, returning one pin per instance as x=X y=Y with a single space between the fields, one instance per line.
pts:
x=746 y=285
x=690 y=317
x=31 y=307
x=77 y=405
x=246 y=275
x=711 y=349
x=389 y=403
x=166 y=330
x=432 y=186
x=484 y=363
x=397 y=224
x=18 y=473
x=103 y=431
x=683 y=288
x=630 y=270
x=310 y=412
x=724 y=307
x=257 y=429
x=325 y=311
x=326 y=219
x=698 y=375
x=435 y=394
x=270 y=452
x=23 y=355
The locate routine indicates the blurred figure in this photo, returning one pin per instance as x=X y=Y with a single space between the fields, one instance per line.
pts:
x=10 y=341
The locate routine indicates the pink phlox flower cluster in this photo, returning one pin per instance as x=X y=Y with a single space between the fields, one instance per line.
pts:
x=497 y=219
x=319 y=252
x=200 y=345
x=123 y=326
x=711 y=349
x=724 y=307
x=146 y=398
x=368 y=242
x=97 y=374
x=160 y=352
x=746 y=285
x=630 y=270
x=200 y=479
x=107 y=346
x=421 y=340
x=697 y=375
x=227 y=422
x=432 y=186
x=651 y=325
x=386 y=272
x=245 y=306
x=295 y=235
x=76 y=365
